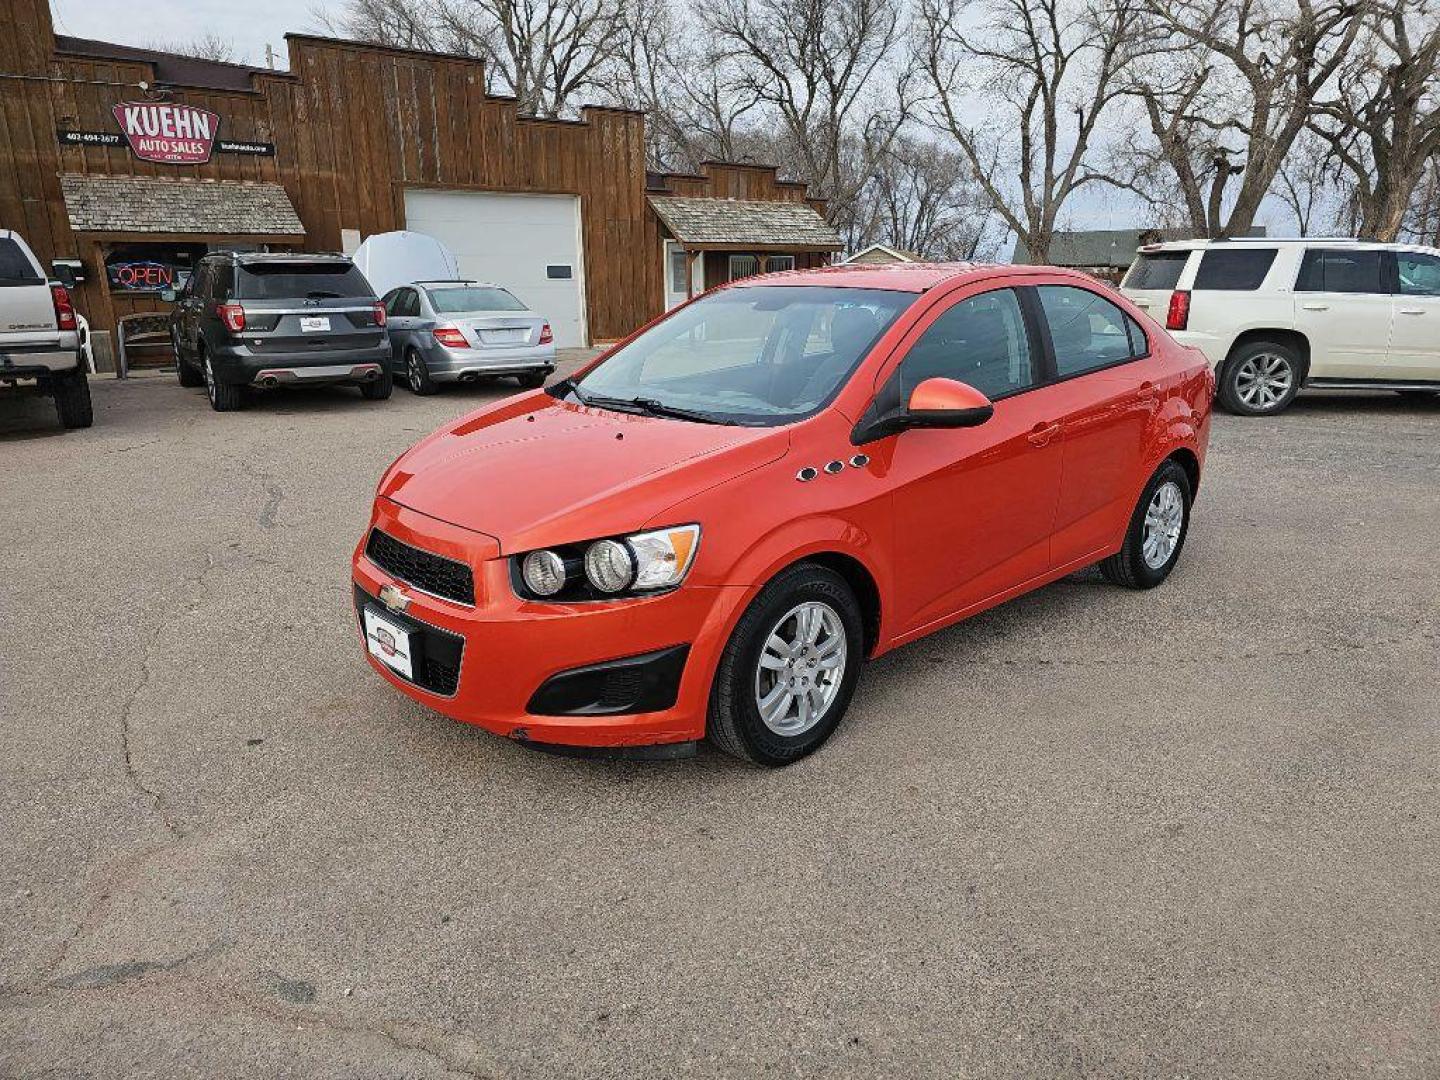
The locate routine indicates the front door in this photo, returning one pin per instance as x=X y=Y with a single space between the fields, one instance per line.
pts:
x=974 y=507
x=677 y=286
x=1342 y=305
x=1415 y=336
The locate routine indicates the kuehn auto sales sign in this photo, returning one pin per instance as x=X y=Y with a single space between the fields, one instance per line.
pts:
x=167 y=132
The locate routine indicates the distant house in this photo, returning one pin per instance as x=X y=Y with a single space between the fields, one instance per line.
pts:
x=1106 y=253
x=879 y=253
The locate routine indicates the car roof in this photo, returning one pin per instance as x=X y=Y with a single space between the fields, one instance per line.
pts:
x=1203 y=244
x=428 y=282
x=247 y=257
x=902 y=277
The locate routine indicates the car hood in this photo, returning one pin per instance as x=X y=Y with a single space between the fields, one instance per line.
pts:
x=534 y=471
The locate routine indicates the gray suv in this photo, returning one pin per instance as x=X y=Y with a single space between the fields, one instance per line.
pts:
x=255 y=321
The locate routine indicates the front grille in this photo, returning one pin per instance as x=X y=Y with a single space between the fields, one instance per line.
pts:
x=436 y=655
x=434 y=574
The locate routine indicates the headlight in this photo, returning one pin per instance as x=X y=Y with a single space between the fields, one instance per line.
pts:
x=609 y=568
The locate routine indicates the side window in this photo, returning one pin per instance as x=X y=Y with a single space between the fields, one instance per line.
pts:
x=203 y=277
x=1419 y=274
x=980 y=341
x=1339 y=270
x=389 y=300
x=1086 y=330
x=1234 y=270
x=222 y=278
x=405 y=303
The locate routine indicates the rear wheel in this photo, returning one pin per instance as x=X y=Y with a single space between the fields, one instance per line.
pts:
x=224 y=397
x=1261 y=378
x=184 y=370
x=417 y=375
x=379 y=389
x=789 y=670
x=71 y=391
x=532 y=381
x=1156 y=532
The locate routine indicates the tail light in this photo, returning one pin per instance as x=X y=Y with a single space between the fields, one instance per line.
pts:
x=1178 y=317
x=232 y=315
x=451 y=338
x=64 y=308
x=379 y=313
x=546 y=334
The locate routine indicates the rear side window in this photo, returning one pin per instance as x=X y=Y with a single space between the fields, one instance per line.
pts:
x=1231 y=269
x=1419 y=274
x=1087 y=331
x=450 y=300
x=15 y=268
x=1156 y=270
x=290 y=280
x=1341 y=271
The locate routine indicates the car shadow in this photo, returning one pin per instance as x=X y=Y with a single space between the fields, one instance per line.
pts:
x=25 y=413
x=1388 y=402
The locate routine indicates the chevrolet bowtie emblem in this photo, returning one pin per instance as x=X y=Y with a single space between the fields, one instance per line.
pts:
x=394 y=598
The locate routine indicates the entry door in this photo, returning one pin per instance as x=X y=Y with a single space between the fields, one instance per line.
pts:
x=1343 y=306
x=1415 y=337
x=676 y=262
x=975 y=506
x=529 y=244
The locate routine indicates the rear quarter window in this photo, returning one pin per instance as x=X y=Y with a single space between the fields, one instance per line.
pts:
x=15 y=267
x=1239 y=270
x=281 y=281
x=1156 y=270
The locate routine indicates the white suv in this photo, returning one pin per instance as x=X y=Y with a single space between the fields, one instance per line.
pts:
x=1276 y=315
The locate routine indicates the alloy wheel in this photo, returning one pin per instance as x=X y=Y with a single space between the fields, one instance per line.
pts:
x=1263 y=380
x=413 y=370
x=209 y=378
x=801 y=669
x=1163 y=519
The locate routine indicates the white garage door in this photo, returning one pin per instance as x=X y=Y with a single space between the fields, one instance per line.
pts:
x=528 y=243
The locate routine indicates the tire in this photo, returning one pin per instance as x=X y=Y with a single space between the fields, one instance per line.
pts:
x=1417 y=395
x=378 y=389
x=1130 y=566
x=417 y=375
x=1261 y=378
x=533 y=381
x=224 y=397
x=184 y=370
x=735 y=722
x=71 y=391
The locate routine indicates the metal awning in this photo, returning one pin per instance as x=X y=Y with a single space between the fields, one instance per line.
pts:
x=742 y=224
x=147 y=204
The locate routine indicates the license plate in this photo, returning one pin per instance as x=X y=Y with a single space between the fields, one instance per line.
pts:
x=505 y=337
x=309 y=324
x=390 y=643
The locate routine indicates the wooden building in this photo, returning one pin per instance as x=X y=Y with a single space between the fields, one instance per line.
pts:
x=134 y=162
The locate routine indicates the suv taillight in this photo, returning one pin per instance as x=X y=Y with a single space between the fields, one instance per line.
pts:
x=64 y=307
x=1178 y=317
x=379 y=313
x=546 y=334
x=232 y=315
x=451 y=338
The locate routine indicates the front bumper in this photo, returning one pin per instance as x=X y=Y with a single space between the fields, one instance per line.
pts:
x=238 y=364
x=515 y=652
x=463 y=365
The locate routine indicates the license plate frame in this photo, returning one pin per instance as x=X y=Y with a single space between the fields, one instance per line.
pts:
x=390 y=642
x=314 y=324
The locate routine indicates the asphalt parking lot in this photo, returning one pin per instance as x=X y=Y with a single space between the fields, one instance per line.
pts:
x=1192 y=832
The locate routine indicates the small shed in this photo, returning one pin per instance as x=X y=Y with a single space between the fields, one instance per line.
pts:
x=880 y=254
x=1105 y=253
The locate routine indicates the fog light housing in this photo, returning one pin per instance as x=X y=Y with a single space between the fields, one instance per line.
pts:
x=609 y=565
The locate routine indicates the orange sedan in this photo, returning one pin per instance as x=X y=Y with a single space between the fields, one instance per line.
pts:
x=710 y=528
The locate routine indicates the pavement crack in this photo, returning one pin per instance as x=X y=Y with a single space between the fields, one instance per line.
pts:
x=275 y=496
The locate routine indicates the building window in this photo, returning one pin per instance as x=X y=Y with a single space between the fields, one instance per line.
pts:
x=151 y=268
x=743 y=266
x=779 y=262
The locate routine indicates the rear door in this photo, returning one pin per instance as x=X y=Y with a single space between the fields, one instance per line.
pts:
x=1415 y=335
x=1344 y=307
x=27 y=309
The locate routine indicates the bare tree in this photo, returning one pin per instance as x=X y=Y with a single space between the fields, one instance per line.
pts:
x=1422 y=221
x=1227 y=86
x=924 y=198
x=1040 y=78
x=816 y=67
x=1383 y=119
x=205 y=47
x=1307 y=182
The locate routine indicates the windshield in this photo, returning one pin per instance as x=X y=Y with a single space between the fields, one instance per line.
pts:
x=288 y=280
x=763 y=355
x=449 y=301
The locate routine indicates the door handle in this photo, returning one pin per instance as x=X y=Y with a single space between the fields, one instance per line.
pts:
x=1316 y=307
x=1042 y=433
x=1412 y=311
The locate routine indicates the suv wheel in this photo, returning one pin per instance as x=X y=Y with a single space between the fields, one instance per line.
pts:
x=184 y=371
x=224 y=397
x=378 y=389
x=1260 y=379
x=1156 y=532
x=789 y=670
x=71 y=391
x=417 y=375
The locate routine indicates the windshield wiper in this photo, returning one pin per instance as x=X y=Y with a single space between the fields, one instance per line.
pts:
x=647 y=406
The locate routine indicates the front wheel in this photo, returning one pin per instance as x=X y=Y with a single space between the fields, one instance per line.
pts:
x=1156 y=532
x=789 y=670
x=1260 y=379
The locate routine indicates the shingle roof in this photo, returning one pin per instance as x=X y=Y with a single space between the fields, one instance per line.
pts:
x=141 y=204
x=700 y=222
x=1105 y=247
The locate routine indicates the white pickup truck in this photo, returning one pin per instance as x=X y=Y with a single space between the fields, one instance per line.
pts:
x=39 y=333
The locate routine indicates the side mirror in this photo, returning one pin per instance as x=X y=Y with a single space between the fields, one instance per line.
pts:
x=168 y=295
x=935 y=403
